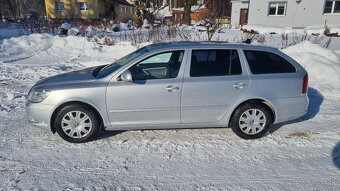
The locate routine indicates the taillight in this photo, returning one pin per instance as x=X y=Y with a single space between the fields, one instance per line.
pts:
x=305 y=84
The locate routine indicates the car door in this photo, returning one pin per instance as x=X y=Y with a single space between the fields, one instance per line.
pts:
x=153 y=96
x=214 y=80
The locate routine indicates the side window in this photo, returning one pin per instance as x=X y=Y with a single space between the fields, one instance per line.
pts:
x=215 y=63
x=261 y=62
x=160 y=66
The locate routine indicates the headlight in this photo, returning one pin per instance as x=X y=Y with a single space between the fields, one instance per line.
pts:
x=37 y=96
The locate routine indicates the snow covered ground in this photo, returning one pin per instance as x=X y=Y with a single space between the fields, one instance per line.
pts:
x=303 y=154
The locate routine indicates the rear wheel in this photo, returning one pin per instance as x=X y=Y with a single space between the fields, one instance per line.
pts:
x=251 y=120
x=77 y=123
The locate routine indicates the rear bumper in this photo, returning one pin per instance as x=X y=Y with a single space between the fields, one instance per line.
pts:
x=39 y=115
x=290 y=108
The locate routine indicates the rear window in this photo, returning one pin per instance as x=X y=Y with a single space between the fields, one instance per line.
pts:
x=261 y=62
x=215 y=63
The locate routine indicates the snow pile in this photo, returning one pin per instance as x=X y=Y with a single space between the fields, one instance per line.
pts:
x=66 y=26
x=310 y=30
x=73 y=32
x=315 y=30
x=42 y=49
x=146 y=24
x=334 y=29
x=322 y=64
x=162 y=12
x=267 y=29
x=318 y=29
x=90 y=31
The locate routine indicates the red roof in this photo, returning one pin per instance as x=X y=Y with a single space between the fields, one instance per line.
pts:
x=121 y=2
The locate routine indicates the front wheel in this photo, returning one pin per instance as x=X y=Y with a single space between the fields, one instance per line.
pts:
x=251 y=120
x=77 y=123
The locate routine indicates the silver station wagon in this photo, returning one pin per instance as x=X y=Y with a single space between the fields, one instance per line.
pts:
x=174 y=85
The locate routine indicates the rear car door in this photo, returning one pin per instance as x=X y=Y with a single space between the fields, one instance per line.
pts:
x=215 y=79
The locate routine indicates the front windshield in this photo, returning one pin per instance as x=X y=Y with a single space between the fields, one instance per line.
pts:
x=120 y=62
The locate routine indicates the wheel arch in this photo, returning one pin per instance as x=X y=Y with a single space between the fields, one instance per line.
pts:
x=55 y=112
x=262 y=101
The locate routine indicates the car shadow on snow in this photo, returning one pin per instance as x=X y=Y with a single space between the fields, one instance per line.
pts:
x=107 y=134
x=336 y=155
x=315 y=101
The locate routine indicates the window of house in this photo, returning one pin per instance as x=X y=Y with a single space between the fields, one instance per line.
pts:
x=332 y=7
x=160 y=66
x=132 y=10
x=59 y=6
x=261 y=62
x=83 y=6
x=215 y=63
x=126 y=9
x=277 y=8
x=123 y=9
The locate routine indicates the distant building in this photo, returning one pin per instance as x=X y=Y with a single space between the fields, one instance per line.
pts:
x=89 y=9
x=197 y=13
x=285 y=13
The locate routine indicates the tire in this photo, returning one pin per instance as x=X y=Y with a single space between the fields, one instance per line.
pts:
x=251 y=120
x=77 y=123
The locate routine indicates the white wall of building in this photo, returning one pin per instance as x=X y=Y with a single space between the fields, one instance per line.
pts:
x=305 y=13
x=236 y=12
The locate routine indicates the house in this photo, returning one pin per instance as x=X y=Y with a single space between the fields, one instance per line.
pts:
x=197 y=13
x=89 y=9
x=285 y=13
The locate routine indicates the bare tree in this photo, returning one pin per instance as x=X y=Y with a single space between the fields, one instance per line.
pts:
x=15 y=7
x=37 y=5
x=219 y=7
x=211 y=26
x=187 y=11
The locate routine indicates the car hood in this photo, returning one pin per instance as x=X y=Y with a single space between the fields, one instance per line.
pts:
x=84 y=75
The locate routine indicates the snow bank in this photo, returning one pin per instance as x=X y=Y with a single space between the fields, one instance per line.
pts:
x=267 y=29
x=315 y=29
x=334 y=29
x=322 y=65
x=162 y=12
x=66 y=26
x=42 y=49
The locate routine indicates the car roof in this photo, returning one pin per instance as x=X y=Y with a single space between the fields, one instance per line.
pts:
x=212 y=44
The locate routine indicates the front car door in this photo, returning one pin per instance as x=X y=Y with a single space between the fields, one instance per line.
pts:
x=153 y=97
x=214 y=80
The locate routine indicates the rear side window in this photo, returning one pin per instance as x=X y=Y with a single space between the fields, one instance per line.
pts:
x=215 y=63
x=261 y=62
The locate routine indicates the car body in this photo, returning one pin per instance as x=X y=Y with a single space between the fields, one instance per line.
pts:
x=168 y=85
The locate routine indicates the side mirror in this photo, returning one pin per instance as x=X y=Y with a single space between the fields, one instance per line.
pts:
x=126 y=76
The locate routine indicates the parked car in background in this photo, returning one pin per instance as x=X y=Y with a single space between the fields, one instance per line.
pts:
x=174 y=85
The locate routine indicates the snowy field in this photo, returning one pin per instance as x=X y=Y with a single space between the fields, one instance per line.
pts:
x=303 y=154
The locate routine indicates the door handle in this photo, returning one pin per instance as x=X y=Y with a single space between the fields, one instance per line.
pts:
x=239 y=85
x=172 y=88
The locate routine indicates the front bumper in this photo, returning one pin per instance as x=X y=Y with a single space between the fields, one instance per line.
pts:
x=39 y=115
